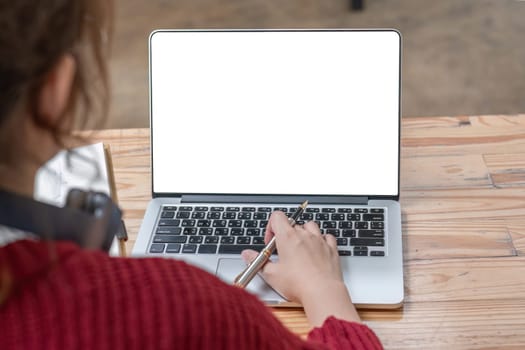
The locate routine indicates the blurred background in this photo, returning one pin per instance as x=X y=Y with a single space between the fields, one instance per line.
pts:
x=460 y=57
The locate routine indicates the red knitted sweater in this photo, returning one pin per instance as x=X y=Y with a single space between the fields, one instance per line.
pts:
x=63 y=297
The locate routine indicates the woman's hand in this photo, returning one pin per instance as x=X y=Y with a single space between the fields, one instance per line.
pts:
x=308 y=270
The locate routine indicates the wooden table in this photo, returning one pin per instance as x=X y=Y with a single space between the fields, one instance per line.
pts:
x=463 y=201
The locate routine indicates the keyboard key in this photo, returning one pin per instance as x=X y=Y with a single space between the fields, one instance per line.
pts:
x=250 y=223
x=338 y=217
x=205 y=231
x=349 y=233
x=169 y=239
x=342 y=241
x=198 y=215
x=204 y=223
x=211 y=239
x=227 y=240
x=170 y=207
x=238 y=248
x=328 y=210
x=237 y=232
x=345 y=224
x=186 y=208
x=217 y=209
x=329 y=224
x=258 y=240
x=219 y=223
x=168 y=230
x=370 y=242
x=377 y=225
x=207 y=249
x=260 y=216
x=333 y=231
x=263 y=223
x=360 y=251
x=283 y=209
x=377 y=210
x=233 y=209
x=353 y=217
x=201 y=208
x=189 y=248
x=307 y=216
x=249 y=209
x=169 y=222
x=322 y=216
x=243 y=240
x=229 y=215
x=235 y=223
x=377 y=253
x=312 y=210
x=253 y=232
x=371 y=233
x=373 y=217
x=214 y=215
x=244 y=216
x=361 y=225
x=196 y=239
x=173 y=248
x=361 y=210
x=264 y=209
x=344 y=252
x=157 y=248
x=344 y=210
x=221 y=231
x=189 y=231
x=167 y=214
x=188 y=223
x=183 y=215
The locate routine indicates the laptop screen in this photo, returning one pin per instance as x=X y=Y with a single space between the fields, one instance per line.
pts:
x=275 y=112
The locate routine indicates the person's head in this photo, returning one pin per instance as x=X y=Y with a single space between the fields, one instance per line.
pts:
x=53 y=75
x=53 y=79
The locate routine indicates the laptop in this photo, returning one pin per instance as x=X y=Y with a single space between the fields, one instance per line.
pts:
x=246 y=122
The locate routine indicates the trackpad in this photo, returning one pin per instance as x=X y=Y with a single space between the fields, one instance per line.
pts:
x=228 y=269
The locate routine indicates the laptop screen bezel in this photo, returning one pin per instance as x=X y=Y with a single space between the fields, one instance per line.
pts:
x=175 y=194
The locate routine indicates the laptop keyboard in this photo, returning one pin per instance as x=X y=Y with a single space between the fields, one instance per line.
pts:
x=183 y=229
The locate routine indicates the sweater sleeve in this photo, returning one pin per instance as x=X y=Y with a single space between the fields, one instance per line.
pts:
x=338 y=334
x=87 y=300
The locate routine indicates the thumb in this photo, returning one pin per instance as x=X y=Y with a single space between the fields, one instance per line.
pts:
x=248 y=255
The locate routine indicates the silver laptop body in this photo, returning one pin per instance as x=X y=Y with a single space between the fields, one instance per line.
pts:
x=252 y=121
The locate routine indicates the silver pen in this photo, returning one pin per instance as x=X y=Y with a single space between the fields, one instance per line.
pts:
x=257 y=264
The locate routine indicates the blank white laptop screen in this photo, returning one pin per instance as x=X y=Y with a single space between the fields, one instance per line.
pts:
x=275 y=112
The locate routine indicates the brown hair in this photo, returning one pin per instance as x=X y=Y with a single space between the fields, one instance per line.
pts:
x=34 y=35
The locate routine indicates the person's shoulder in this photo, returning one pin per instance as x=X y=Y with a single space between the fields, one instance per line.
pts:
x=151 y=269
x=64 y=259
x=162 y=283
x=92 y=273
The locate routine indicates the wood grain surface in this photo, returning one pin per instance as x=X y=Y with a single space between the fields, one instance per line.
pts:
x=463 y=205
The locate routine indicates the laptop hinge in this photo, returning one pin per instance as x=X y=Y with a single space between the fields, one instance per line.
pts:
x=355 y=200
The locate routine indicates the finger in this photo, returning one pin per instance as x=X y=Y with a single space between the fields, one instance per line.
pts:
x=312 y=227
x=277 y=225
x=269 y=271
x=331 y=241
x=248 y=255
x=298 y=227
